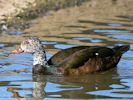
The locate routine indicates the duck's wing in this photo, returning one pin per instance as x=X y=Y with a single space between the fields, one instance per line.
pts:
x=63 y=54
x=91 y=60
x=91 y=54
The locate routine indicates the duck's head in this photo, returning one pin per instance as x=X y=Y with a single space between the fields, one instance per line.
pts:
x=29 y=45
x=34 y=46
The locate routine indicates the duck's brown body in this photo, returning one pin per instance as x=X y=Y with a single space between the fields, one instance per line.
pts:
x=84 y=59
x=72 y=61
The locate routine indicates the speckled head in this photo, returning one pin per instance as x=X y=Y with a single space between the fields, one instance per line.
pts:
x=34 y=46
x=30 y=45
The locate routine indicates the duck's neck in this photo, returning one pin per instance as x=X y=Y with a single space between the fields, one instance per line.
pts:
x=39 y=58
x=41 y=66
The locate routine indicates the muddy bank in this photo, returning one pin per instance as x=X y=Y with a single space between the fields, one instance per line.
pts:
x=12 y=7
x=20 y=13
x=65 y=24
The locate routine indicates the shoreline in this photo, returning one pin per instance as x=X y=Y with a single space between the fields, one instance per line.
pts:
x=21 y=13
x=51 y=27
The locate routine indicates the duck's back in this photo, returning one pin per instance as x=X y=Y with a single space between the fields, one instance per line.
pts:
x=63 y=54
x=90 y=59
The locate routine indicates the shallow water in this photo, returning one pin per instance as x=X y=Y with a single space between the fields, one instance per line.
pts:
x=16 y=80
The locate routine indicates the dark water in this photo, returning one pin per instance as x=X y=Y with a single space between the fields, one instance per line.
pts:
x=16 y=80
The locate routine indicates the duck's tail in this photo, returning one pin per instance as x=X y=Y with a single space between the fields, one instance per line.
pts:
x=121 y=49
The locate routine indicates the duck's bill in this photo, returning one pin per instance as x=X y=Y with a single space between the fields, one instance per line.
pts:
x=18 y=50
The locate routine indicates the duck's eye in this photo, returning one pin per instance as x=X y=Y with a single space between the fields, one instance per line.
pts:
x=26 y=42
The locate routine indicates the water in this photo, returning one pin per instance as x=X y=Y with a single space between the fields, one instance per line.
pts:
x=16 y=80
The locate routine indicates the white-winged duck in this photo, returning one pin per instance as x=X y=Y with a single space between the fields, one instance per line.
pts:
x=72 y=61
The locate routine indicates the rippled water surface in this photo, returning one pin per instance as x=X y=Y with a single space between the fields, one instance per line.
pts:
x=16 y=80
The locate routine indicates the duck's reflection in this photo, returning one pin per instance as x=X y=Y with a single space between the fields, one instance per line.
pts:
x=38 y=90
x=70 y=87
x=74 y=86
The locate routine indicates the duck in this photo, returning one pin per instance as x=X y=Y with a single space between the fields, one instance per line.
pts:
x=78 y=60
